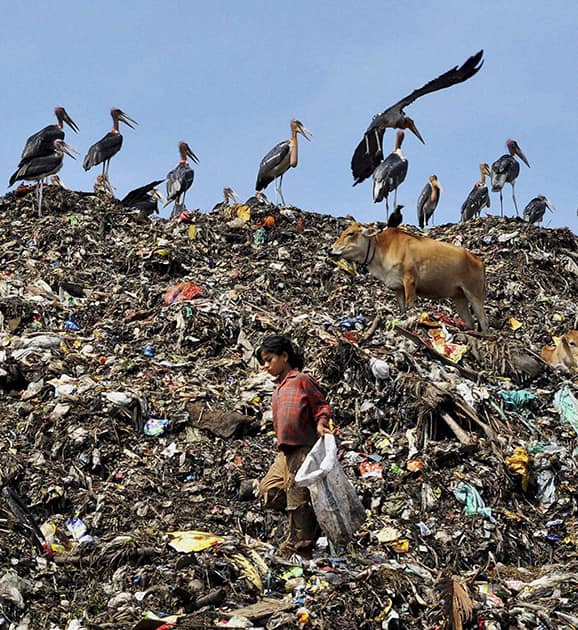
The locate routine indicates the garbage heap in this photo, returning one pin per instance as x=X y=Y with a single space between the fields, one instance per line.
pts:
x=134 y=420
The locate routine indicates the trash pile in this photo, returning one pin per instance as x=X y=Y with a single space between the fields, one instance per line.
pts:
x=134 y=421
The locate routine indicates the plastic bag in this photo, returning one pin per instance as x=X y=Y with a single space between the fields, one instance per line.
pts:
x=337 y=506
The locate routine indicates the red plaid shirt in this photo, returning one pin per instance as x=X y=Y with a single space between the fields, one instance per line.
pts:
x=298 y=405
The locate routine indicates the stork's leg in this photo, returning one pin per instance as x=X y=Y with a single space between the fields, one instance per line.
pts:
x=514 y=198
x=278 y=189
x=501 y=204
x=366 y=144
x=377 y=140
x=40 y=184
x=386 y=207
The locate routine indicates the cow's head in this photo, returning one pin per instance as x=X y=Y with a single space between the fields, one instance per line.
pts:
x=354 y=242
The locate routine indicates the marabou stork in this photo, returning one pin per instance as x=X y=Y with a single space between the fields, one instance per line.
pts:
x=180 y=179
x=369 y=151
x=42 y=142
x=390 y=174
x=506 y=169
x=229 y=196
x=428 y=200
x=395 y=218
x=536 y=208
x=144 y=198
x=478 y=197
x=38 y=168
x=109 y=145
x=280 y=159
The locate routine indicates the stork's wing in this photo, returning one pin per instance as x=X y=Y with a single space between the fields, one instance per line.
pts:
x=179 y=180
x=422 y=200
x=368 y=153
x=38 y=167
x=41 y=143
x=102 y=150
x=367 y=156
x=270 y=163
x=139 y=194
x=447 y=79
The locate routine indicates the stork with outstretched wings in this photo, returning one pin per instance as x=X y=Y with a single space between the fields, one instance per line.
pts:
x=369 y=153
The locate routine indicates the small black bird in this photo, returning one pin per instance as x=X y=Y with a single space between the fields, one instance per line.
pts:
x=396 y=218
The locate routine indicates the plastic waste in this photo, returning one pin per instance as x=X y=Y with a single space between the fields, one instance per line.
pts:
x=334 y=499
x=567 y=406
x=474 y=504
x=155 y=426
x=379 y=368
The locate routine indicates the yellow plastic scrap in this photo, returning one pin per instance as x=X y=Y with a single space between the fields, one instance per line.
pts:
x=244 y=213
x=345 y=265
x=192 y=231
x=193 y=540
x=400 y=546
x=252 y=573
x=519 y=462
x=514 y=323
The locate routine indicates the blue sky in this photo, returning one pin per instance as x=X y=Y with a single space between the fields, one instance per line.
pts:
x=227 y=77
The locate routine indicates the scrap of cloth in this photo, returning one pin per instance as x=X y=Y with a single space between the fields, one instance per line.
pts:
x=298 y=405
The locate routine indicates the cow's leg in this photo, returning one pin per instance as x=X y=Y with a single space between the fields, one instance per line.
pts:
x=399 y=294
x=409 y=289
x=463 y=309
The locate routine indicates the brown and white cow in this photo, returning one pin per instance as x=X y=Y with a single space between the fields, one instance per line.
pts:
x=564 y=353
x=415 y=265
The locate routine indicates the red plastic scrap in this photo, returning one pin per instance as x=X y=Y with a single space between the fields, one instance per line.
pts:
x=181 y=292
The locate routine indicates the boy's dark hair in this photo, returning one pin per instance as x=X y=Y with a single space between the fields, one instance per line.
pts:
x=278 y=344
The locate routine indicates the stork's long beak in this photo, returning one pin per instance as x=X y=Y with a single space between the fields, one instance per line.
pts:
x=191 y=155
x=439 y=185
x=69 y=150
x=519 y=153
x=409 y=124
x=126 y=119
x=304 y=132
x=68 y=120
x=485 y=170
x=550 y=206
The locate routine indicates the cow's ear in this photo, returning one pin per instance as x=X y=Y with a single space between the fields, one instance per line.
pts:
x=369 y=230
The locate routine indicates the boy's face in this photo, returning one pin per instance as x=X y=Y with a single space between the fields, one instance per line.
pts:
x=275 y=364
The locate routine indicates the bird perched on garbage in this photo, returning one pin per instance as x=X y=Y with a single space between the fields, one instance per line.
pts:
x=395 y=218
x=145 y=198
x=42 y=142
x=229 y=195
x=428 y=200
x=536 y=208
x=390 y=174
x=38 y=168
x=180 y=179
x=102 y=151
x=506 y=170
x=478 y=197
x=369 y=151
x=280 y=159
